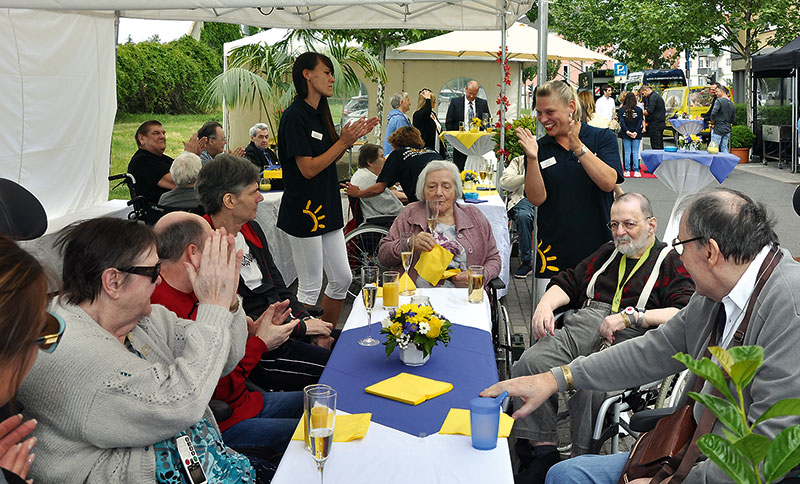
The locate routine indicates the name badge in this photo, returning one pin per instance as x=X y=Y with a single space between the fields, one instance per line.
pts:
x=548 y=163
x=316 y=135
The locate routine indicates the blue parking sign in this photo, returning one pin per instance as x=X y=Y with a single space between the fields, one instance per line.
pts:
x=620 y=69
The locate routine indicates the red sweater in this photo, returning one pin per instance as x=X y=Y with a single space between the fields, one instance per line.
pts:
x=231 y=388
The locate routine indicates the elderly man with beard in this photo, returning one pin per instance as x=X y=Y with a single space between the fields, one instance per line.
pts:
x=625 y=288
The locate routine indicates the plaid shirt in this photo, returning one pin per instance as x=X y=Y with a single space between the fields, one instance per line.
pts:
x=673 y=288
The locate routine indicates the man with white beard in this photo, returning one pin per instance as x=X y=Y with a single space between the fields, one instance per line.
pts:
x=625 y=288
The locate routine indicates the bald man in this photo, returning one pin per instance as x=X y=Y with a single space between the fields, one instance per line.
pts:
x=464 y=109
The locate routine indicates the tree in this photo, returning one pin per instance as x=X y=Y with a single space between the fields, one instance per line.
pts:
x=215 y=34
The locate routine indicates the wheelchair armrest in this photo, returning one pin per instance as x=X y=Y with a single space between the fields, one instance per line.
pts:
x=383 y=220
x=221 y=410
x=315 y=311
x=497 y=283
x=646 y=419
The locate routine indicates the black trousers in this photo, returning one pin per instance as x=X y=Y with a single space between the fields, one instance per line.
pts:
x=656 y=136
x=460 y=159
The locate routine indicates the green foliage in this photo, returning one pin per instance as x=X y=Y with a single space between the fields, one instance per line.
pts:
x=742 y=137
x=512 y=145
x=215 y=34
x=774 y=115
x=741 y=113
x=553 y=67
x=743 y=454
x=164 y=78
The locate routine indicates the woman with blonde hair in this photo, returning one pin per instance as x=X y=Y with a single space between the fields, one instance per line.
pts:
x=427 y=123
x=590 y=116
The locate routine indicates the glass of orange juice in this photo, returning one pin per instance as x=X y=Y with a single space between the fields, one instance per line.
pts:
x=391 y=289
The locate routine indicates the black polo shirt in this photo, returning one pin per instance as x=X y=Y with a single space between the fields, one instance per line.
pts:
x=404 y=165
x=148 y=169
x=309 y=207
x=572 y=220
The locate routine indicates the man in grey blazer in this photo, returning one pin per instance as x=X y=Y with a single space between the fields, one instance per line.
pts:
x=463 y=109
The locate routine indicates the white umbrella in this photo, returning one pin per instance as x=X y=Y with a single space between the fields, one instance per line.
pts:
x=522 y=42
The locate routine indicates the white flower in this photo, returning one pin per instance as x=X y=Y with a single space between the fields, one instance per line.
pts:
x=386 y=322
x=403 y=341
x=424 y=327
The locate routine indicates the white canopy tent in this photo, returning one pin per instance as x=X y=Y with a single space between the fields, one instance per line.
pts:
x=57 y=69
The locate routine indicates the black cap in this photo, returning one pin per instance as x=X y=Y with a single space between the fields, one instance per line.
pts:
x=22 y=216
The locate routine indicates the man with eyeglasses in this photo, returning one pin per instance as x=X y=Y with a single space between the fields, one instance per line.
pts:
x=215 y=140
x=625 y=288
x=728 y=244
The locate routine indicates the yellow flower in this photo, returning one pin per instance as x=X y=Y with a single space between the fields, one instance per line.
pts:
x=436 y=327
x=476 y=122
x=424 y=311
x=396 y=329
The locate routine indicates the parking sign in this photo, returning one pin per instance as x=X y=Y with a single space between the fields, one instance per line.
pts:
x=620 y=69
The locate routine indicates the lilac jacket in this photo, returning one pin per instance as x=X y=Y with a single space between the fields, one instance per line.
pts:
x=474 y=234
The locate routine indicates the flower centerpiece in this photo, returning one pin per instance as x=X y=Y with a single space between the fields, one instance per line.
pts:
x=415 y=330
x=469 y=178
x=688 y=142
x=475 y=125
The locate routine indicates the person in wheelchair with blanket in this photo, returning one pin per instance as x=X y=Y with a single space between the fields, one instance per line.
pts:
x=621 y=291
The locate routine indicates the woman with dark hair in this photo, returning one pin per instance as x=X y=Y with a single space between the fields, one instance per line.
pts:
x=311 y=209
x=427 y=123
x=25 y=328
x=630 y=122
x=131 y=382
x=370 y=164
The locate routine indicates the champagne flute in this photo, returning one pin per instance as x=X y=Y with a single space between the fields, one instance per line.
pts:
x=483 y=172
x=433 y=214
x=369 y=278
x=407 y=255
x=320 y=416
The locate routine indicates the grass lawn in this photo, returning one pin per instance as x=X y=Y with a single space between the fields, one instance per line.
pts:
x=179 y=128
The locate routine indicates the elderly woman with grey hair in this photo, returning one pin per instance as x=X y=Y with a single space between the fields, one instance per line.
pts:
x=462 y=229
x=184 y=172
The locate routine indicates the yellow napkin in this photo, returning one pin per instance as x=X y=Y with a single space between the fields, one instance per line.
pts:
x=450 y=273
x=406 y=284
x=482 y=193
x=467 y=138
x=408 y=388
x=431 y=265
x=273 y=173
x=346 y=428
x=457 y=422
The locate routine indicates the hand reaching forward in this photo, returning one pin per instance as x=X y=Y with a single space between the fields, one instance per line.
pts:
x=218 y=277
x=15 y=454
x=534 y=390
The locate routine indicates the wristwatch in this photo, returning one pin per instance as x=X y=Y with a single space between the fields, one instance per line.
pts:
x=583 y=151
x=633 y=315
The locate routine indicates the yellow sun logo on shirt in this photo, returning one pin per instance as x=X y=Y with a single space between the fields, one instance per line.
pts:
x=546 y=259
x=314 y=217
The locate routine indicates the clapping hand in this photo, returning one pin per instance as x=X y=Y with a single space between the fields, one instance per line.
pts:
x=195 y=145
x=15 y=454
x=356 y=129
x=270 y=328
x=217 y=279
x=239 y=151
x=528 y=142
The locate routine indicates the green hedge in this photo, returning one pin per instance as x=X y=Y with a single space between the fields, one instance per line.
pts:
x=165 y=78
x=770 y=115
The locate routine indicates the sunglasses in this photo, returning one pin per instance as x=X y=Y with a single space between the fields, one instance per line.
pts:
x=148 y=271
x=53 y=331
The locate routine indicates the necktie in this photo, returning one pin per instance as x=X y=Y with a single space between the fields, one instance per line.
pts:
x=471 y=112
x=721 y=320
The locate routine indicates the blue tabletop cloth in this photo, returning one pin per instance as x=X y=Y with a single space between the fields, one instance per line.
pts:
x=467 y=362
x=720 y=164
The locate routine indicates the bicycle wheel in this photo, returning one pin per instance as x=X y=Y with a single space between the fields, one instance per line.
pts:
x=362 y=245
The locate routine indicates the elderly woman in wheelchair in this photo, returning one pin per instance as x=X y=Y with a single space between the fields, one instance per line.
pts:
x=460 y=229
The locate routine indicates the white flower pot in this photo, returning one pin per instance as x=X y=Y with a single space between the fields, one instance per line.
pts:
x=411 y=356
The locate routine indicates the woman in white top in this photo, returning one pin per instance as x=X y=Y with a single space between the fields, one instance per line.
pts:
x=370 y=164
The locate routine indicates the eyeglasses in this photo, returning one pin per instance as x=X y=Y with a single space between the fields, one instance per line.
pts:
x=628 y=224
x=53 y=331
x=677 y=244
x=149 y=271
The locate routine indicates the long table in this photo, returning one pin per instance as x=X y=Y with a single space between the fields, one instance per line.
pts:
x=388 y=454
x=494 y=209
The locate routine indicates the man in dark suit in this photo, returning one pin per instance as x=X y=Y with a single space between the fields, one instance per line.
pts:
x=463 y=109
x=258 y=151
x=656 y=116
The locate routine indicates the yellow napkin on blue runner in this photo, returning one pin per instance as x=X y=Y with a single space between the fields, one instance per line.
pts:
x=406 y=284
x=345 y=429
x=457 y=422
x=408 y=388
x=431 y=265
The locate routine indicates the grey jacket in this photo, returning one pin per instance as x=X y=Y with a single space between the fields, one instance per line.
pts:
x=101 y=408
x=775 y=325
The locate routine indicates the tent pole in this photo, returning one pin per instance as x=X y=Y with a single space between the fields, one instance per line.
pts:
x=794 y=119
x=503 y=60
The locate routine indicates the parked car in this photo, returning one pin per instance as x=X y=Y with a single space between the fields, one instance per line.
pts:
x=688 y=102
x=356 y=107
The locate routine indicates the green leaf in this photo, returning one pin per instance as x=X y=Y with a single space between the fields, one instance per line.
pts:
x=705 y=368
x=391 y=344
x=788 y=406
x=725 y=358
x=783 y=455
x=754 y=446
x=742 y=353
x=743 y=372
x=726 y=412
x=727 y=457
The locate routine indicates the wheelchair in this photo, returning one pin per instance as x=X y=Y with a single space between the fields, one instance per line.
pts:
x=362 y=243
x=143 y=210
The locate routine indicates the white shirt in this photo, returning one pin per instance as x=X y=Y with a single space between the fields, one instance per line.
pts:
x=736 y=301
x=251 y=274
x=605 y=106
x=467 y=119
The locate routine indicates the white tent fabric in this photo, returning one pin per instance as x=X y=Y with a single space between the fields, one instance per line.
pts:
x=521 y=40
x=58 y=104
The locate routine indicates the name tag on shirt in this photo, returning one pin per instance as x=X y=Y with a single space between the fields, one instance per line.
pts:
x=316 y=135
x=548 y=163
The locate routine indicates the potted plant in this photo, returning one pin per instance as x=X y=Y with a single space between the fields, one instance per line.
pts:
x=513 y=148
x=742 y=139
x=415 y=330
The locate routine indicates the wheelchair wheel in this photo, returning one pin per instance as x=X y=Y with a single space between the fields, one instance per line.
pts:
x=362 y=251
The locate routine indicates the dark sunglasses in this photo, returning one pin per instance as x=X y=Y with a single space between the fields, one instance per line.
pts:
x=149 y=271
x=53 y=331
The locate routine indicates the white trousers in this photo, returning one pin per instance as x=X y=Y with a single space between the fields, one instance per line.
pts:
x=312 y=256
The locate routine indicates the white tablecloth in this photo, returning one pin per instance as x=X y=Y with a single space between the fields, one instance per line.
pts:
x=387 y=455
x=480 y=152
x=495 y=211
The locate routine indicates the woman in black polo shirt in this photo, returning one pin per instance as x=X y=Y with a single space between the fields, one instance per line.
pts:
x=311 y=208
